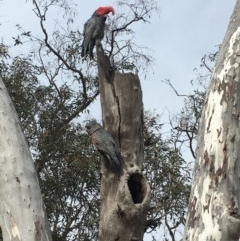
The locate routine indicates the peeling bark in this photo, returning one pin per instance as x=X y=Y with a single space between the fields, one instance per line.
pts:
x=125 y=200
x=22 y=215
x=214 y=207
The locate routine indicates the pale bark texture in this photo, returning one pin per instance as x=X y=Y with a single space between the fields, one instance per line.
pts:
x=22 y=215
x=214 y=207
x=124 y=200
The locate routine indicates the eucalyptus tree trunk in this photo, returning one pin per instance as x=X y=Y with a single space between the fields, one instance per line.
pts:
x=214 y=207
x=22 y=215
x=125 y=200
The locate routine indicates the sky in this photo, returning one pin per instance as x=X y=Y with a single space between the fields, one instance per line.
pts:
x=178 y=36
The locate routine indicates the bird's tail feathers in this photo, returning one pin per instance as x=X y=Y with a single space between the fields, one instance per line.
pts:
x=114 y=163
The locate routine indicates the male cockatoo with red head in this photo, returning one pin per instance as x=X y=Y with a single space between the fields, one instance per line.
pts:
x=94 y=29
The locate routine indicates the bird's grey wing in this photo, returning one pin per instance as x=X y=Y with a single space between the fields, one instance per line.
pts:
x=91 y=21
x=116 y=159
x=105 y=144
x=109 y=150
x=100 y=26
x=88 y=31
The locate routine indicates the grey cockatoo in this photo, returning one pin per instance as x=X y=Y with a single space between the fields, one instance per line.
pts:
x=94 y=29
x=105 y=144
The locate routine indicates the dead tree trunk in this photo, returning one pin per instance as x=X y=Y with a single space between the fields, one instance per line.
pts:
x=22 y=215
x=214 y=208
x=125 y=200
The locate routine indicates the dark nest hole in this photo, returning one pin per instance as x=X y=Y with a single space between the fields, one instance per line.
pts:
x=137 y=188
x=1 y=236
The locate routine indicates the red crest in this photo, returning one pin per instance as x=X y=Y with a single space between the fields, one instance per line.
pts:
x=105 y=10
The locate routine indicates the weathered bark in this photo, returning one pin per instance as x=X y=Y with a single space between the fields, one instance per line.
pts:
x=124 y=200
x=214 y=208
x=22 y=215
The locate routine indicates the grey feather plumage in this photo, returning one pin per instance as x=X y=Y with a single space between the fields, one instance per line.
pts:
x=105 y=144
x=93 y=29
